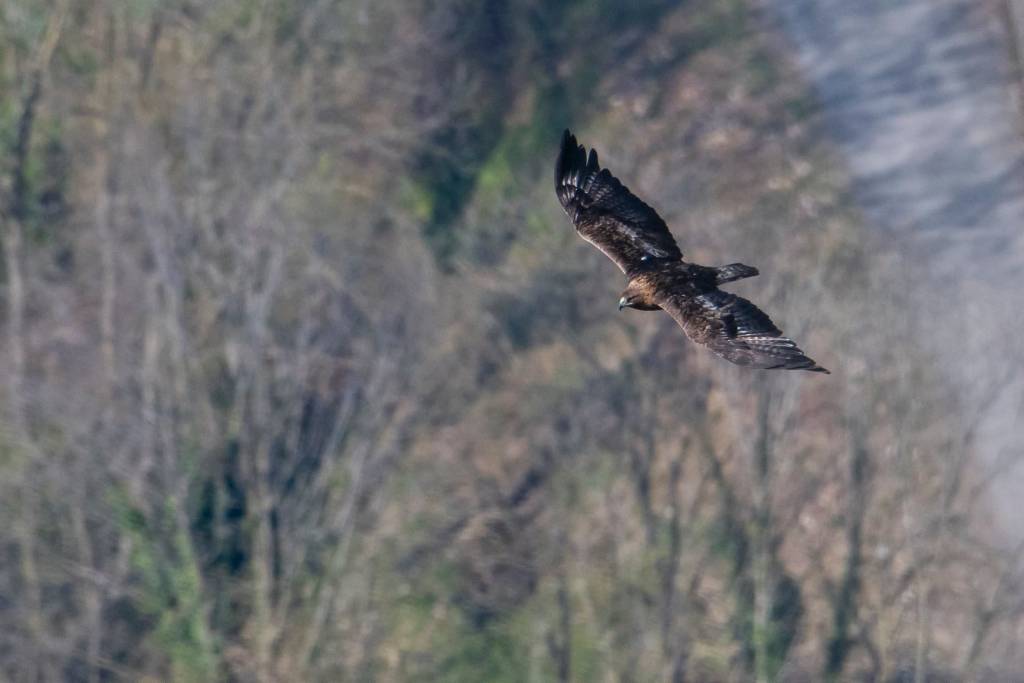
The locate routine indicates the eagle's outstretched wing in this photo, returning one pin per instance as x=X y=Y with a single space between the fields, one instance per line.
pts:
x=734 y=328
x=606 y=213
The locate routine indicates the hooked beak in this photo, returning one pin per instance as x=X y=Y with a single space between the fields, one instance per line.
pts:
x=623 y=303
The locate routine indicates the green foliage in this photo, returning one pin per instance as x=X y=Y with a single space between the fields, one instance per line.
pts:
x=40 y=182
x=81 y=60
x=588 y=660
x=724 y=21
x=170 y=588
x=231 y=18
x=10 y=112
x=458 y=649
x=416 y=199
x=47 y=176
x=141 y=9
x=22 y=23
x=493 y=653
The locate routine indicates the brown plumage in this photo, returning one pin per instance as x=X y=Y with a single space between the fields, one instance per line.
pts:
x=634 y=236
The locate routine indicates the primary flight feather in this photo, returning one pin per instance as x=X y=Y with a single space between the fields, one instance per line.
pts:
x=634 y=236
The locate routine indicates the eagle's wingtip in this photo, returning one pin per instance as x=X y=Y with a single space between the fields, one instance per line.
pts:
x=566 y=162
x=568 y=141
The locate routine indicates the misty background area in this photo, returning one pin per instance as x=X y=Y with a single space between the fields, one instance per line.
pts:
x=306 y=376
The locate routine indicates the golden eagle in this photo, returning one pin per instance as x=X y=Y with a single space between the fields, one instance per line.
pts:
x=634 y=236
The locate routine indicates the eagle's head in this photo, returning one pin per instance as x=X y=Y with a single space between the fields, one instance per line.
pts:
x=637 y=296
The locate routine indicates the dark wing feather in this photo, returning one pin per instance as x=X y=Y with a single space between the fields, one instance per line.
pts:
x=734 y=328
x=606 y=213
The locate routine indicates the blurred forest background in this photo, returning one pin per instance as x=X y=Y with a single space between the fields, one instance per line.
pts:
x=307 y=377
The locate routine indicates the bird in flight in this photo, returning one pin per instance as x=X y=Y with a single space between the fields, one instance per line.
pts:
x=633 y=235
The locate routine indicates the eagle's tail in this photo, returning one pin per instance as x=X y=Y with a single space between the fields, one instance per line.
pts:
x=733 y=272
